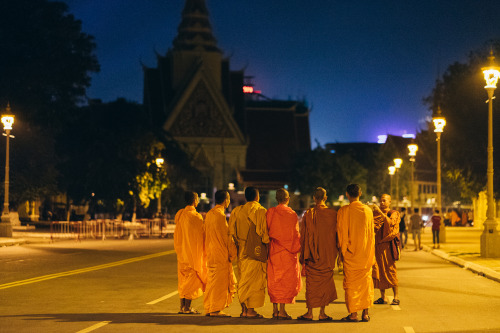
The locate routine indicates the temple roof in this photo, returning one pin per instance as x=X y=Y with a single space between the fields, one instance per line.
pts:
x=195 y=30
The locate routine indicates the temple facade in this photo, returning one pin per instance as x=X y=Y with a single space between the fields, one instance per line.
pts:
x=232 y=136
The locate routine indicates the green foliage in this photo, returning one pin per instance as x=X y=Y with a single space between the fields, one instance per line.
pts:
x=461 y=96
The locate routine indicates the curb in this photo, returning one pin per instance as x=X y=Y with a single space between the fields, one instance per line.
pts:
x=478 y=269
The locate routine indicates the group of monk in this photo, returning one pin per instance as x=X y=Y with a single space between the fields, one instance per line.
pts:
x=362 y=237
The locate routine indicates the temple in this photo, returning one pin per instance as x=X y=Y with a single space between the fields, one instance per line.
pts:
x=234 y=136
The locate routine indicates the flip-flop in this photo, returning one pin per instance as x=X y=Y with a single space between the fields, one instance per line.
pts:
x=256 y=316
x=395 y=302
x=275 y=316
x=327 y=318
x=242 y=315
x=348 y=319
x=288 y=317
x=304 y=318
x=191 y=311
x=220 y=315
x=365 y=319
x=380 y=301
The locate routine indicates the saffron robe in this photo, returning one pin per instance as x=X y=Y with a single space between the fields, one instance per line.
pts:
x=386 y=229
x=251 y=274
x=220 y=250
x=188 y=244
x=318 y=240
x=283 y=271
x=356 y=236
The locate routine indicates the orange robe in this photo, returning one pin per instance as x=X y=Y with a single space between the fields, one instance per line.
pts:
x=318 y=240
x=356 y=236
x=283 y=272
x=188 y=244
x=251 y=273
x=384 y=271
x=220 y=251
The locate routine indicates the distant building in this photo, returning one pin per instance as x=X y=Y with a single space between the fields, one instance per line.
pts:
x=233 y=136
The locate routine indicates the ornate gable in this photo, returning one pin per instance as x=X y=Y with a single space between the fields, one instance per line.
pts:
x=201 y=117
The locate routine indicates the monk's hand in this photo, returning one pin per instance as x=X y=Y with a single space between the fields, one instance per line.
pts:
x=376 y=209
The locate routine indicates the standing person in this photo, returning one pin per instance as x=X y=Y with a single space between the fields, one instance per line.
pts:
x=403 y=232
x=188 y=244
x=251 y=273
x=436 y=224
x=386 y=223
x=356 y=236
x=318 y=240
x=283 y=272
x=220 y=251
x=416 y=227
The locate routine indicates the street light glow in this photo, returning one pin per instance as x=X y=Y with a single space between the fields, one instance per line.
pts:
x=7 y=121
x=392 y=170
x=439 y=124
x=491 y=73
x=159 y=162
x=398 y=162
x=413 y=149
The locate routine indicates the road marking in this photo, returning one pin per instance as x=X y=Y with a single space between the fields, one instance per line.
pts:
x=395 y=307
x=409 y=329
x=163 y=298
x=94 y=327
x=83 y=270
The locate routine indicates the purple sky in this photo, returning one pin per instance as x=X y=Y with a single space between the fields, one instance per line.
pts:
x=363 y=66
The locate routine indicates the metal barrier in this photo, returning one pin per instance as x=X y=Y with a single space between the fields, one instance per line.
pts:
x=107 y=228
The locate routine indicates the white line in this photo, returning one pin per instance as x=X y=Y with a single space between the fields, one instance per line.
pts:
x=395 y=307
x=409 y=329
x=94 y=327
x=163 y=298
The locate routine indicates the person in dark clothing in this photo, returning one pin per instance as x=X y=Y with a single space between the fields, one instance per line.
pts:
x=402 y=228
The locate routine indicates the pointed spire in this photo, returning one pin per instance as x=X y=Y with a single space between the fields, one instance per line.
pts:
x=195 y=30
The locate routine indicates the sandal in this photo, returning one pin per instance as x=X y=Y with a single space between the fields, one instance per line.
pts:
x=190 y=311
x=220 y=314
x=395 y=302
x=380 y=301
x=348 y=319
x=327 y=318
x=304 y=318
x=365 y=319
x=255 y=316
x=287 y=317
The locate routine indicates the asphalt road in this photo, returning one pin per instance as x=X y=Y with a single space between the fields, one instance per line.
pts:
x=130 y=286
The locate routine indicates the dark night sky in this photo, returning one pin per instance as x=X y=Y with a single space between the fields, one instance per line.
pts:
x=363 y=66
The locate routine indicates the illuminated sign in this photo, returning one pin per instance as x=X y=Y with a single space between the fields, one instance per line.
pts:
x=247 y=89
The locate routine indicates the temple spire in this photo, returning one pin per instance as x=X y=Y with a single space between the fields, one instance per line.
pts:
x=195 y=30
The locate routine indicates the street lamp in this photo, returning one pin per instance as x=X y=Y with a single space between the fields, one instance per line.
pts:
x=397 y=163
x=439 y=124
x=490 y=238
x=159 y=163
x=5 y=224
x=413 y=148
x=392 y=171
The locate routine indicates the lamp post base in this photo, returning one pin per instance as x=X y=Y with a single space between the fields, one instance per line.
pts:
x=5 y=226
x=490 y=240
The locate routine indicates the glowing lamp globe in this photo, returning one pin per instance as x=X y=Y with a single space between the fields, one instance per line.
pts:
x=392 y=170
x=159 y=162
x=398 y=162
x=413 y=148
x=491 y=73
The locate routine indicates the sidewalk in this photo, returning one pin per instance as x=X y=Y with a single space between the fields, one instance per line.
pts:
x=462 y=248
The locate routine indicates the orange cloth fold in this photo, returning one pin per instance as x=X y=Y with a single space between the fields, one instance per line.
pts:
x=386 y=229
x=357 y=242
x=283 y=271
x=220 y=251
x=318 y=240
x=189 y=246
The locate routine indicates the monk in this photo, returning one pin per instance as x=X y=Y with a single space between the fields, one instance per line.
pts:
x=188 y=244
x=283 y=272
x=220 y=251
x=318 y=240
x=356 y=235
x=251 y=272
x=386 y=223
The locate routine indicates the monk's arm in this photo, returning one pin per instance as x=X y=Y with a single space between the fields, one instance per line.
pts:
x=342 y=233
x=393 y=222
x=302 y=237
x=261 y=225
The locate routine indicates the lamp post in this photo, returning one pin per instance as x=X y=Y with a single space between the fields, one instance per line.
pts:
x=413 y=148
x=439 y=123
x=5 y=224
x=159 y=163
x=490 y=238
x=392 y=171
x=397 y=163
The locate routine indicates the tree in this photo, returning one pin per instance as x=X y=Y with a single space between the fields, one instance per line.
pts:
x=461 y=96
